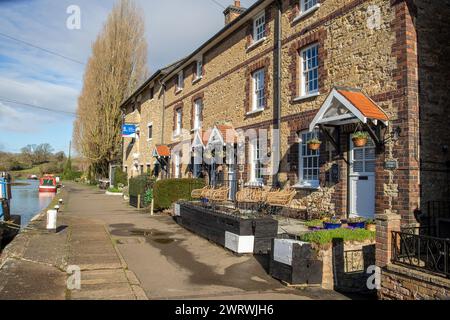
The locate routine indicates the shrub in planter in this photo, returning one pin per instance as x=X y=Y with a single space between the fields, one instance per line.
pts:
x=314 y=224
x=166 y=192
x=326 y=236
x=314 y=144
x=332 y=224
x=358 y=223
x=360 y=138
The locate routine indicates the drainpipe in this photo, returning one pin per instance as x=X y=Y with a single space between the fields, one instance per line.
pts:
x=276 y=139
x=163 y=87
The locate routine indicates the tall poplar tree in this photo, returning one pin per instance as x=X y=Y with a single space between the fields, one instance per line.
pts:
x=118 y=65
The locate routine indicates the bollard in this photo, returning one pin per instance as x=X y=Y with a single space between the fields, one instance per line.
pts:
x=52 y=215
x=61 y=201
x=152 y=207
x=139 y=202
x=57 y=208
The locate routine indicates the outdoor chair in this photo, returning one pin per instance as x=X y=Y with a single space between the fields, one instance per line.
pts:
x=219 y=195
x=197 y=193
x=280 y=198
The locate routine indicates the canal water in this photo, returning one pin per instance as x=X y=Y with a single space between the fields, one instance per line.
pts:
x=27 y=201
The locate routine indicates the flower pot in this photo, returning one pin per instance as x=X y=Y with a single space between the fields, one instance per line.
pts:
x=359 y=142
x=314 y=146
x=371 y=227
x=357 y=225
x=331 y=226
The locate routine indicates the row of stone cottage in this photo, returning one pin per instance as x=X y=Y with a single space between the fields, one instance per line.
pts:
x=331 y=66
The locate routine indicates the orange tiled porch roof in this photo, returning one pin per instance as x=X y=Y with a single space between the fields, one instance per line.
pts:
x=348 y=105
x=162 y=151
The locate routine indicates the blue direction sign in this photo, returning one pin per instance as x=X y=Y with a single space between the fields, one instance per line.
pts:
x=129 y=131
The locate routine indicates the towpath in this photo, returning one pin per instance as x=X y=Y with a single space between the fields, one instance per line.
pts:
x=125 y=254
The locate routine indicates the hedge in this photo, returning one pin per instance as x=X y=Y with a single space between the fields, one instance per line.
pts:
x=140 y=184
x=168 y=191
x=120 y=177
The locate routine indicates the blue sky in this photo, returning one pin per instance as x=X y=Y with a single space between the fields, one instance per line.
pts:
x=33 y=76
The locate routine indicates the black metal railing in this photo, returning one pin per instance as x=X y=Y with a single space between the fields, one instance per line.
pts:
x=424 y=253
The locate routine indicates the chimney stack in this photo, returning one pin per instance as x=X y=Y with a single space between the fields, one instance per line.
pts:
x=233 y=11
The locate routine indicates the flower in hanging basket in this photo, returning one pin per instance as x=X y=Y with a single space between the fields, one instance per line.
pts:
x=360 y=138
x=314 y=144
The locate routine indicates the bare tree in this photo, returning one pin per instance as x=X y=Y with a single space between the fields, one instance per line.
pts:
x=118 y=65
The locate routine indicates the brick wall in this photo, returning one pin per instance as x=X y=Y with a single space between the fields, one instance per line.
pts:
x=400 y=283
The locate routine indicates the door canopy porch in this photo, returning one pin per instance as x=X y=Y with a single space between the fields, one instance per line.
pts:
x=161 y=151
x=349 y=105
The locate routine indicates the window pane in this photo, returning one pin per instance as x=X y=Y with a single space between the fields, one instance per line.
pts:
x=358 y=154
x=370 y=166
x=358 y=166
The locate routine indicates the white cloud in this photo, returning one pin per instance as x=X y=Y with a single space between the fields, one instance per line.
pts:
x=16 y=120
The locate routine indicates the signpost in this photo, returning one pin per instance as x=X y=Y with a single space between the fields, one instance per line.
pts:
x=129 y=131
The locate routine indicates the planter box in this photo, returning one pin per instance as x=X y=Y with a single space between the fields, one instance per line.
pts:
x=338 y=266
x=237 y=234
x=294 y=262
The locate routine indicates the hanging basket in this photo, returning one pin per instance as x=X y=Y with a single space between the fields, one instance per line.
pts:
x=360 y=139
x=359 y=142
x=314 y=144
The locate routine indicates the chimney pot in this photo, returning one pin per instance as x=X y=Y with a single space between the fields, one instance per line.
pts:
x=233 y=11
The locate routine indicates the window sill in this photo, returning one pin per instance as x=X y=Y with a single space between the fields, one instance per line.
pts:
x=254 y=112
x=305 y=97
x=256 y=43
x=150 y=140
x=305 y=186
x=196 y=129
x=178 y=91
x=306 y=13
x=196 y=80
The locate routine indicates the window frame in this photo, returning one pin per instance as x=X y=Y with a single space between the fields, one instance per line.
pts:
x=149 y=125
x=180 y=81
x=302 y=5
x=179 y=121
x=304 y=83
x=258 y=102
x=259 y=36
x=304 y=136
x=256 y=166
x=198 y=110
x=199 y=69
x=177 y=165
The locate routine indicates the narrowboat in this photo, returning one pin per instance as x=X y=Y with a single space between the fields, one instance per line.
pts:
x=48 y=184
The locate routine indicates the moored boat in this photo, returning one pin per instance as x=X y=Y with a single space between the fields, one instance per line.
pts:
x=48 y=184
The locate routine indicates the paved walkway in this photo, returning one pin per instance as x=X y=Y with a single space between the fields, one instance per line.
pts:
x=125 y=254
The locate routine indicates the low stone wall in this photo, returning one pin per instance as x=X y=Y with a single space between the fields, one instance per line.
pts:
x=339 y=266
x=401 y=283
